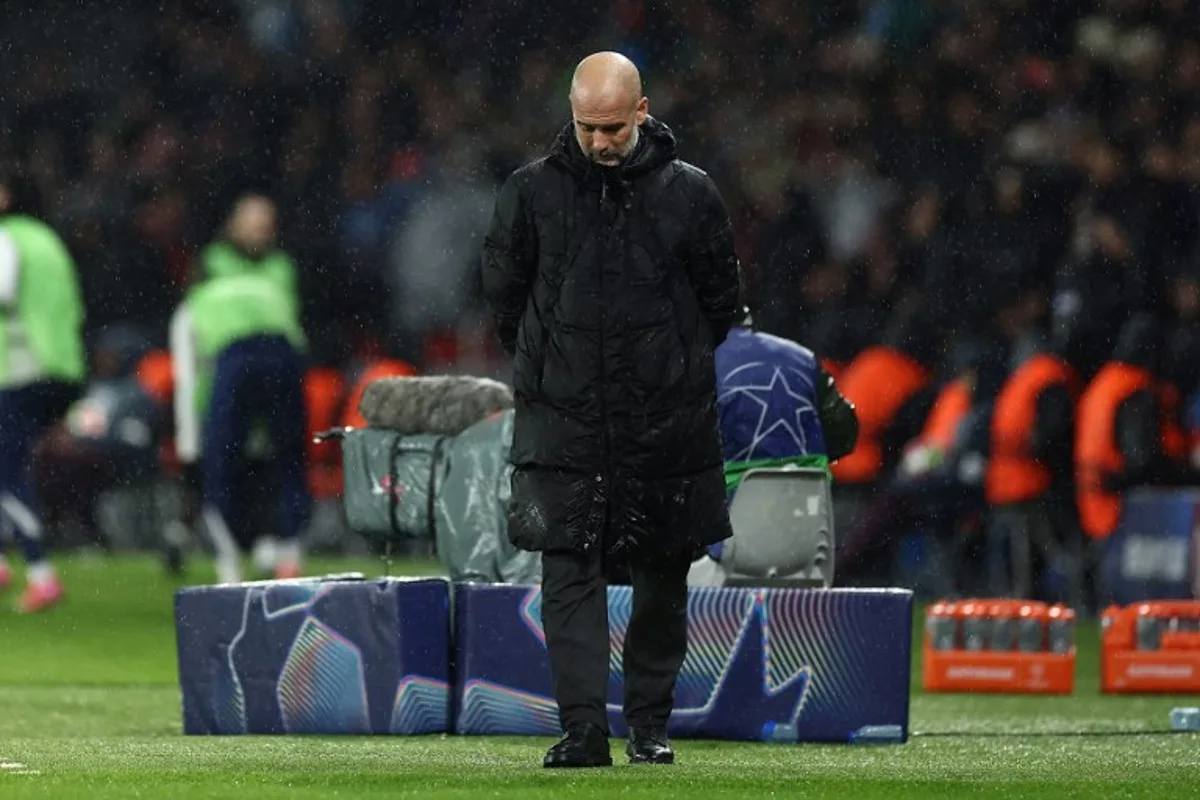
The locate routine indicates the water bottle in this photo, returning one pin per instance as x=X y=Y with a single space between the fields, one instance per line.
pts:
x=1185 y=719
x=1109 y=618
x=1031 y=627
x=780 y=732
x=942 y=626
x=1149 y=629
x=974 y=626
x=1003 y=627
x=1060 y=630
x=952 y=636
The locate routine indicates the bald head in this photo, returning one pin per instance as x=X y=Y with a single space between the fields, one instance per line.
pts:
x=606 y=79
x=608 y=106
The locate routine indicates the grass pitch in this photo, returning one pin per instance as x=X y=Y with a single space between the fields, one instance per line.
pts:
x=89 y=708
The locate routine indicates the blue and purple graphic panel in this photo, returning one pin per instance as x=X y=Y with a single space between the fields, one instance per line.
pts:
x=319 y=657
x=762 y=664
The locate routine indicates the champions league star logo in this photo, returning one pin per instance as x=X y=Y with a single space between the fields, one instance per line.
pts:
x=783 y=397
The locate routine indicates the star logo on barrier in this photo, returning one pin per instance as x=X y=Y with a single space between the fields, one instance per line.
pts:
x=781 y=702
x=784 y=397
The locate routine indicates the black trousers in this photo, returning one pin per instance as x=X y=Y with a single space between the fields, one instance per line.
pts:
x=575 y=619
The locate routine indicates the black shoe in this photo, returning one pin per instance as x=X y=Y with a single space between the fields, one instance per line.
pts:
x=583 y=745
x=173 y=559
x=649 y=746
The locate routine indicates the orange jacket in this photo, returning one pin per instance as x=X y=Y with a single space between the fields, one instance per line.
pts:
x=1097 y=455
x=951 y=406
x=878 y=382
x=1013 y=475
x=834 y=368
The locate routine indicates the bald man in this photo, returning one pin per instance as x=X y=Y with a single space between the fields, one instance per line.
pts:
x=610 y=271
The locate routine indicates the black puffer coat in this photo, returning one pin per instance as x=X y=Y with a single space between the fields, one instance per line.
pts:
x=611 y=287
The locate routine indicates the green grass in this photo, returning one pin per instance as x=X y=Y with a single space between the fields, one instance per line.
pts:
x=89 y=706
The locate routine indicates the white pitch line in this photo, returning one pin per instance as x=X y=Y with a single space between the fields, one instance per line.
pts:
x=17 y=768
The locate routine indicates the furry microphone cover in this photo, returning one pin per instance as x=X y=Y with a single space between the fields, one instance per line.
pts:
x=440 y=404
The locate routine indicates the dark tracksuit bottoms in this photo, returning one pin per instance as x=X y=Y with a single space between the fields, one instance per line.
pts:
x=26 y=413
x=260 y=378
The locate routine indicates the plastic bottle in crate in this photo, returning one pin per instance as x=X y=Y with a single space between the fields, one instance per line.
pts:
x=953 y=625
x=1002 y=626
x=1181 y=628
x=974 y=625
x=1031 y=627
x=1060 y=629
x=1149 y=628
x=1109 y=617
x=1191 y=622
x=942 y=626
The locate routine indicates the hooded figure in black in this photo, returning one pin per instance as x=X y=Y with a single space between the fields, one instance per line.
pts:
x=1138 y=423
x=610 y=270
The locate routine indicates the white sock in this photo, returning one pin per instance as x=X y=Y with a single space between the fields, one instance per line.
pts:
x=266 y=554
x=287 y=551
x=39 y=572
x=229 y=568
x=228 y=555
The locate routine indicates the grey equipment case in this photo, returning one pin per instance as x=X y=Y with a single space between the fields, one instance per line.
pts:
x=451 y=487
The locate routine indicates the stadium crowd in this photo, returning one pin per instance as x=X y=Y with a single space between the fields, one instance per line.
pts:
x=961 y=182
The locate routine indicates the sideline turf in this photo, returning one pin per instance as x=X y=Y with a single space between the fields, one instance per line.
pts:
x=89 y=708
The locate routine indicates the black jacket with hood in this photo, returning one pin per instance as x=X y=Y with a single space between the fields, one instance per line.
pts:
x=611 y=288
x=1139 y=417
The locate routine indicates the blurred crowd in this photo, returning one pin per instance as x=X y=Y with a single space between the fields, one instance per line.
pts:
x=877 y=154
x=982 y=175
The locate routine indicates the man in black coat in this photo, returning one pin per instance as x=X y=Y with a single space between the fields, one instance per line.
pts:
x=610 y=270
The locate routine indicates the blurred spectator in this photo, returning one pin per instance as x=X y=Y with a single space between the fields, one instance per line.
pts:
x=890 y=387
x=434 y=261
x=108 y=440
x=1029 y=483
x=1127 y=431
x=1182 y=357
x=868 y=149
x=940 y=480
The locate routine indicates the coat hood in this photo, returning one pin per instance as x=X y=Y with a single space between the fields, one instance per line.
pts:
x=1140 y=343
x=655 y=147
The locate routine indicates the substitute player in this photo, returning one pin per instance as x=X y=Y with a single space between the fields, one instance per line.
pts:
x=42 y=368
x=236 y=345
